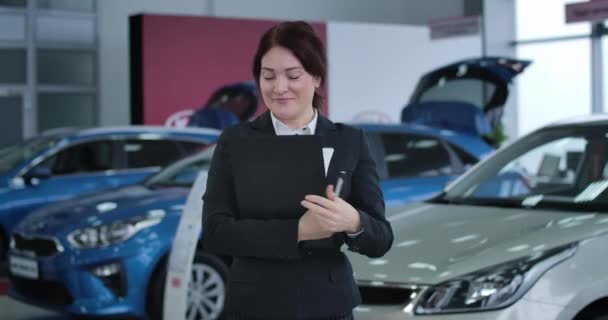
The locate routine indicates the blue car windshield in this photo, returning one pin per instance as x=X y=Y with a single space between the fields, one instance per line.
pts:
x=182 y=173
x=563 y=168
x=12 y=156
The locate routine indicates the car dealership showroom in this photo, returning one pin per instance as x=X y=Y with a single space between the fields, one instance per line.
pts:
x=304 y=160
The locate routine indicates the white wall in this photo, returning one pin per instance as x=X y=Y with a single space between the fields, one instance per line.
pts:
x=557 y=84
x=114 y=83
x=374 y=68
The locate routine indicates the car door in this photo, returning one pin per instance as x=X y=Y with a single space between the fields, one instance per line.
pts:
x=412 y=167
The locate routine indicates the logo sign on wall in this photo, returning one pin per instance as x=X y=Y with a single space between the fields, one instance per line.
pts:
x=596 y=10
x=179 y=119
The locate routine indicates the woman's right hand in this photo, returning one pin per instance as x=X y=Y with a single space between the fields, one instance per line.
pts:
x=310 y=228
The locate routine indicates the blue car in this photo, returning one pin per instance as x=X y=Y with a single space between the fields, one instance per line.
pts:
x=105 y=254
x=63 y=164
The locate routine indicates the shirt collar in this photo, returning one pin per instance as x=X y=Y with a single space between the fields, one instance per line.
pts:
x=281 y=129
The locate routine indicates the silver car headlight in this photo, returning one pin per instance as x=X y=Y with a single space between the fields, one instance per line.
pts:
x=113 y=233
x=491 y=288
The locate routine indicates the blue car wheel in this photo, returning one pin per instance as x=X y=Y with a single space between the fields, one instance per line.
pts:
x=206 y=290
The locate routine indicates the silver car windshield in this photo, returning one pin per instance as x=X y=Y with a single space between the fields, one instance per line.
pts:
x=184 y=172
x=562 y=168
x=12 y=156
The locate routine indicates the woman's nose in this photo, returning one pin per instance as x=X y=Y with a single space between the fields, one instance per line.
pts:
x=280 y=86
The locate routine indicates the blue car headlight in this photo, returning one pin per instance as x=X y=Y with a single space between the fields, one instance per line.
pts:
x=113 y=233
x=491 y=288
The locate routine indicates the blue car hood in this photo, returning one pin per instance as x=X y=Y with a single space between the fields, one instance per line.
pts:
x=103 y=208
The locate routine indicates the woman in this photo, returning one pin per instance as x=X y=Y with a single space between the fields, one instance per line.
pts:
x=293 y=268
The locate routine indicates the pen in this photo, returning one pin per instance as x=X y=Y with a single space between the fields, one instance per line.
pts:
x=340 y=182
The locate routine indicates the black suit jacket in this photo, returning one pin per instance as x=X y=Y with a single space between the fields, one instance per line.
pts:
x=272 y=275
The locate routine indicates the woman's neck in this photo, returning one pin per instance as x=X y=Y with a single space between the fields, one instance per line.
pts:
x=300 y=121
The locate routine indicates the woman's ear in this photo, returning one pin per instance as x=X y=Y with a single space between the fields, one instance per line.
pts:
x=317 y=81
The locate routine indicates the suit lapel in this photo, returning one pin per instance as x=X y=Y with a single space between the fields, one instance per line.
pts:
x=263 y=124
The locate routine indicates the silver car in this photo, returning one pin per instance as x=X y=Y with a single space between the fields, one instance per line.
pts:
x=522 y=235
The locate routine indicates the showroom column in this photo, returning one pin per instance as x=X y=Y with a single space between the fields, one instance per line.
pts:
x=498 y=32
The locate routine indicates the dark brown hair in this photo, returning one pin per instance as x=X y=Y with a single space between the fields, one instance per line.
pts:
x=299 y=38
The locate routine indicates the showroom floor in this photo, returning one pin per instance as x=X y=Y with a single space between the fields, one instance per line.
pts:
x=14 y=310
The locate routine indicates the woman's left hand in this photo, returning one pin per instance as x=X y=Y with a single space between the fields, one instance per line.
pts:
x=335 y=214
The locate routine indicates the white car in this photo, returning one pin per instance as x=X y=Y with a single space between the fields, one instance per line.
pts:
x=522 y=235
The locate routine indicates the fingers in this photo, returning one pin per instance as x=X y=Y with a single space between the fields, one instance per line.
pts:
x=330 y=193
x=324 y=202
x=316 y=208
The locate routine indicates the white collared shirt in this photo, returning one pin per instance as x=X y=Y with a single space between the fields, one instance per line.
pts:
x=281 y=129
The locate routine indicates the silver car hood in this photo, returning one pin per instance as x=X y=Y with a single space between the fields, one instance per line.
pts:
x=436 y=242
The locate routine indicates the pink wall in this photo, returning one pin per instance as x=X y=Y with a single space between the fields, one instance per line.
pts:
x=185 y=58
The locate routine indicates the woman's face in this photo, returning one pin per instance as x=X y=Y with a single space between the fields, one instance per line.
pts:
x=287 y=89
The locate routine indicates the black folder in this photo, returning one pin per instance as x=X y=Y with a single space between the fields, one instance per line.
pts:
x=272 y=174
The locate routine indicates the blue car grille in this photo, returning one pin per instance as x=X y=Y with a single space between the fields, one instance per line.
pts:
x=39 y=246
x=43 y=291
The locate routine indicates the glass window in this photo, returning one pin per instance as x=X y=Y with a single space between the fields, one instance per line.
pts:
x=72 y=5
x=65 y=67
x=412 y=155
x=81 y=158
x=65 y=29
x=12 y=64
x=11 y=113
x=460 y=89
x=189 y=148
x=183 y=172
x=563 y=168
x=12 y=26
x=466 y=158
x=65 y=110
x=12 y=3
x=150 y=153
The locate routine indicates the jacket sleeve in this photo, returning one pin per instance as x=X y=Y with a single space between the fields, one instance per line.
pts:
x=366 y=196
x=223 y=231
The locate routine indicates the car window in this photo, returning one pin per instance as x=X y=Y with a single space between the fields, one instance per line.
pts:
x=548 y=168
x=189 y=147
x=466 y=158
x=150 y=153
x=470 y=90
x=408 y=155
x=81 y=158
x=563 y=168
x=12 y=156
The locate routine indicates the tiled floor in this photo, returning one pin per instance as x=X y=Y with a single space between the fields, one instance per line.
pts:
x=14 y=310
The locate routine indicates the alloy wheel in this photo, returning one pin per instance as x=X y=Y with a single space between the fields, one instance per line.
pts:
x=206 y=293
